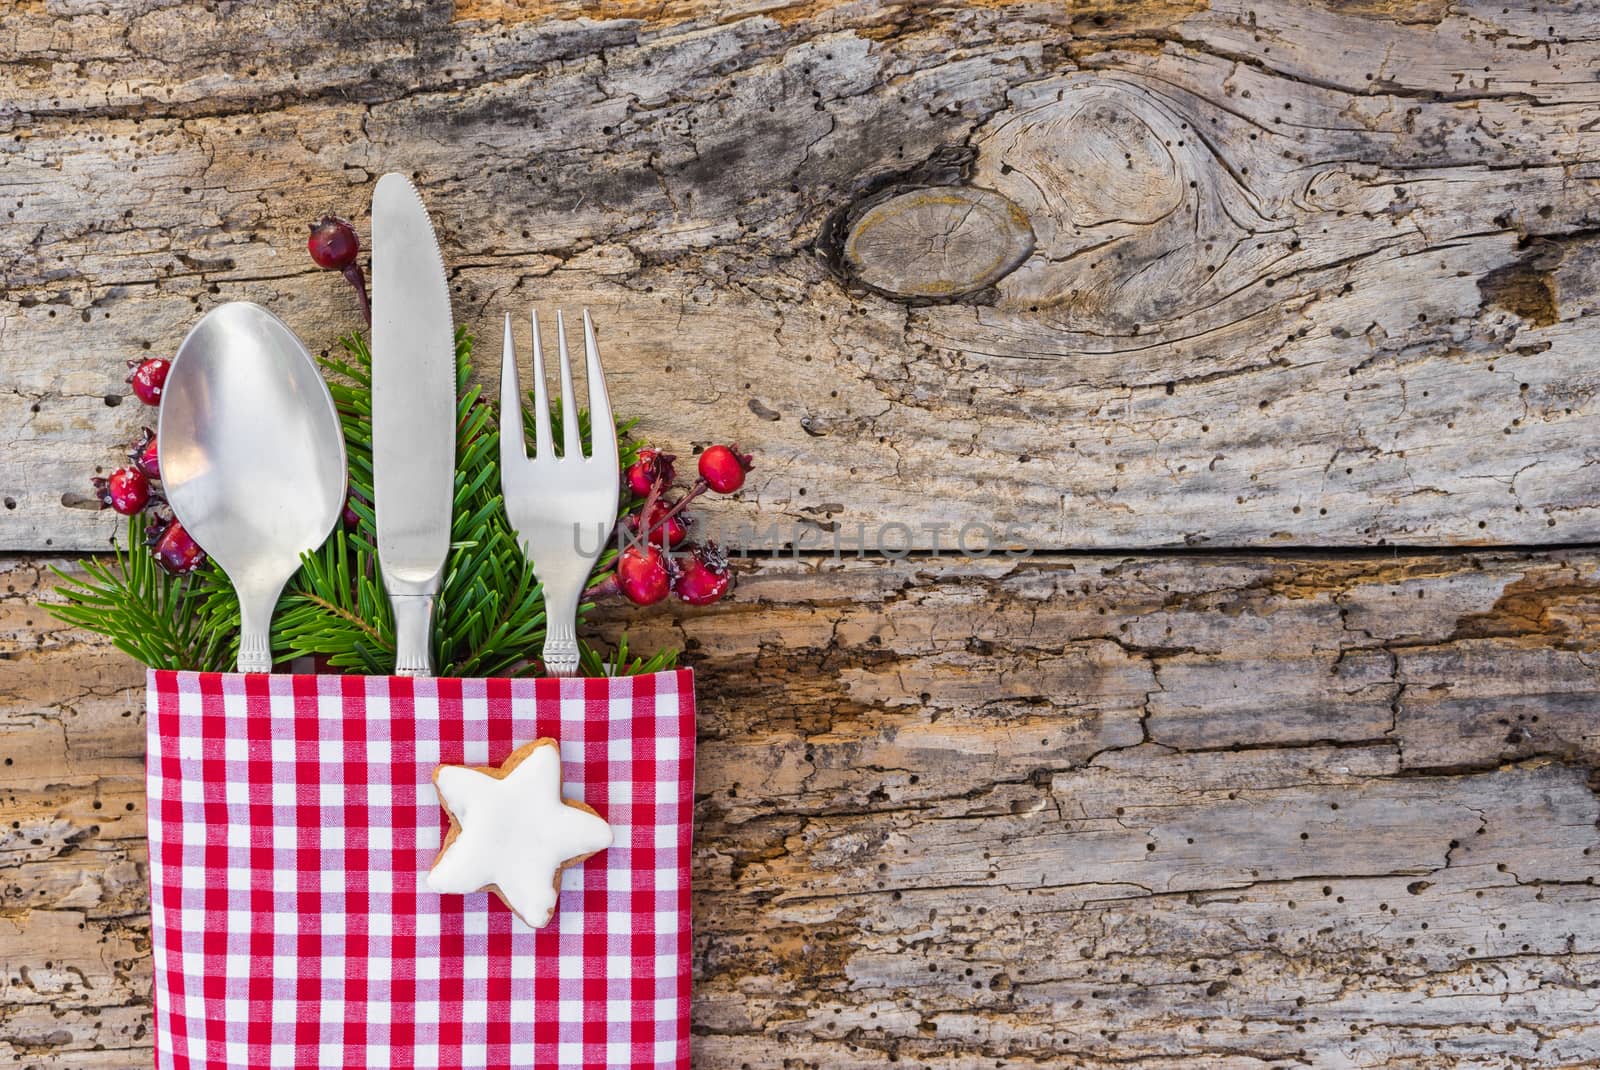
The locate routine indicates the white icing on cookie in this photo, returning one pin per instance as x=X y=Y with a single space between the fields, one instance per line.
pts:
x=515 y=832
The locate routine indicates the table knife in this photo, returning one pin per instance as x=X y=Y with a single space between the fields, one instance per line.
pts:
x=413 y=414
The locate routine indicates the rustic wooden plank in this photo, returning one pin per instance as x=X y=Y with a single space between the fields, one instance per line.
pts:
x=1298 y=275
x=1194 y=810
x=1301 y=274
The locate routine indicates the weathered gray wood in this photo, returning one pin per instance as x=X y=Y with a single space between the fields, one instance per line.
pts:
x=1190 y=811
x=1300 y=274
x=1303 y=274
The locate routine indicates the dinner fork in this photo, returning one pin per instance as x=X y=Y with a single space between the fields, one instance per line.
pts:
x=562 y=507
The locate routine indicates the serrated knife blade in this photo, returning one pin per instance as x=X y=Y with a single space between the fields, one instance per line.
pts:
x=413 y=414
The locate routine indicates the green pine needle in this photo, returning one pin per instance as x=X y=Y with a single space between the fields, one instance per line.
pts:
x=165 y=621
x=490 y=615
x=594 y=662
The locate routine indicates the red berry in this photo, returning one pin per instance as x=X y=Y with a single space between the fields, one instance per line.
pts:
x=145 y=456
x=127 y=490
x=642 y=575
x=148 y=378
x=333 y=243
x=351 y=518
x=176 y=551
x=651 y=466
x=705 y=578
x=723 y=468
x=666 y=533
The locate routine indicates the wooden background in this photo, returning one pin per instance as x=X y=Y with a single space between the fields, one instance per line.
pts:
x=1273 y=327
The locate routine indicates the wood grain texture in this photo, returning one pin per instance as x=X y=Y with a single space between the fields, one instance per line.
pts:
x=1279 y=274
x=1200 y=811
x=1302 y=274
x=937 y=242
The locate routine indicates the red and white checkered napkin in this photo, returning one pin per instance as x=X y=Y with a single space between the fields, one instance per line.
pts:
x=293 y=820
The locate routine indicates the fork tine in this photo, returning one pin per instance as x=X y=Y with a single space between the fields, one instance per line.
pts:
x=513 y=439
x=572 y=442
x=543 y=444
x=602 y=429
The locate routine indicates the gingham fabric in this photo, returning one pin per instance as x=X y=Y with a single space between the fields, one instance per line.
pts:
x=292 y=822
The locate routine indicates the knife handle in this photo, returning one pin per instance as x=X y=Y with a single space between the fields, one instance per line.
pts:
x=413 y=620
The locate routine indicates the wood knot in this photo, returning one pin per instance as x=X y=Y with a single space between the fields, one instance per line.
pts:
x=936 y=243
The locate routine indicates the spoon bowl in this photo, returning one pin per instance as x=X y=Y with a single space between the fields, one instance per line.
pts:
x=252 y=457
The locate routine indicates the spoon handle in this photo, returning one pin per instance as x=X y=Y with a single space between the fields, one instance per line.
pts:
x=255 y=655
x=413 y=626
x=255 y=629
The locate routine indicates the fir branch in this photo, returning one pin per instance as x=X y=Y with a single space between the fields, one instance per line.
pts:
x=164 y=621
x=490 y=618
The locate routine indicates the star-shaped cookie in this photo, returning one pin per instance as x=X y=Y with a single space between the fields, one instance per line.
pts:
x=511 y=832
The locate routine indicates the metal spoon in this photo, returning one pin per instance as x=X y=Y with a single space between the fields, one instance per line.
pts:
x=252 y=457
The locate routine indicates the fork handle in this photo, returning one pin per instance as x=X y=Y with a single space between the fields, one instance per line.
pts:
x=413 y=619
x=560 y=652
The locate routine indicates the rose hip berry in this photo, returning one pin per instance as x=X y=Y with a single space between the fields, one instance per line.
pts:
x=176 y=551
x=149 y=378
x=333 y=243
x=706 y=577
x=333 y=246
x=349 y=516
x=652 y=466
x=659 y=557
x=723 y=468
x=642 y=575
x=664 y=531
x=144 y=455
x=127 y=490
